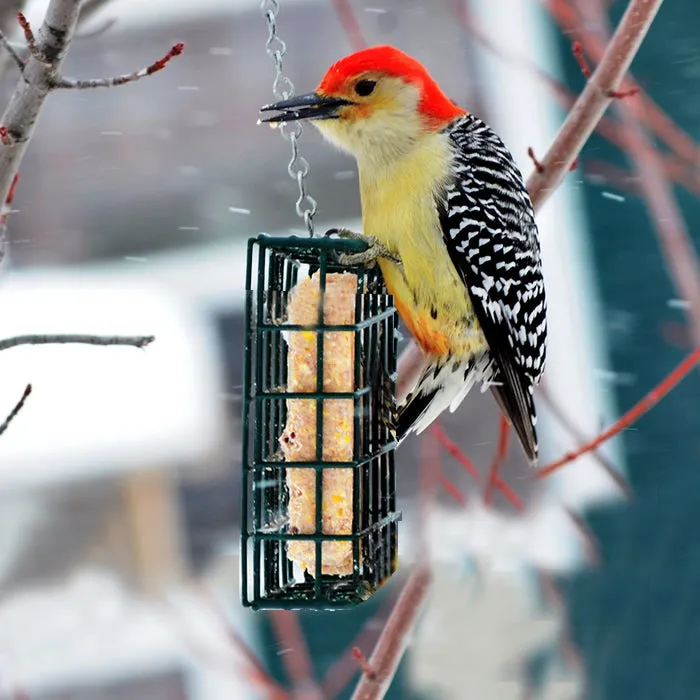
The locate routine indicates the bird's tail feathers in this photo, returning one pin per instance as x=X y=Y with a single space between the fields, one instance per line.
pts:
x=518 y=406
x=444 y=383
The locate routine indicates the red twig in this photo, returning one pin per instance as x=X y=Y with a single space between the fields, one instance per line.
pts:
x=508 y=493
x=176 y=50
x=450 y=446
x=395 y=636
x=28 y=34
x=348 y=20
x=622 y=94
x=345 y=666
x=494 y=478
x=452 y=489
x=538 y=166
x=254 y=671
x=578 y=435
x=577 y=48
x=361 y=659
x=639 y=409
x=297 y=660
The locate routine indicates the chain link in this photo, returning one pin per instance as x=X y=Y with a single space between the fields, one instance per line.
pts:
x=283 y=89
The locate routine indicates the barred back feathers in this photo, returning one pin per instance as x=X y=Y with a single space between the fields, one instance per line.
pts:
x=489 y=230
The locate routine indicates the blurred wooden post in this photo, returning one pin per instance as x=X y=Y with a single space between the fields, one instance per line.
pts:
x=152 y=523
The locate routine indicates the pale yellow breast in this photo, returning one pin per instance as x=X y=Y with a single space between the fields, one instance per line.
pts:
x=398 y=207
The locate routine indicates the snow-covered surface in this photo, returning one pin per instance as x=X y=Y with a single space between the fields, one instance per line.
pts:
x=545 y=538
x=96 y=410
x=91 y=630
x=491 y=616
x=210 y=276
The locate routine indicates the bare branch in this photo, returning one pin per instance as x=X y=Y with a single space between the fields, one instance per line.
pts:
x=41 y=74
x=594 y=100
x=19 y=119
x=19 y=61
x=297 y=660
x=29 y=37
x=531 y=155
x=18 y=407
x=71 y=83
x=645 y=108
x=136 y=341
x=671 y=230
x=395 y=637
x=5 y=209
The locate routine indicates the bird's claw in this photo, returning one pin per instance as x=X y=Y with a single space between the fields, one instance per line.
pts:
x=368 y=257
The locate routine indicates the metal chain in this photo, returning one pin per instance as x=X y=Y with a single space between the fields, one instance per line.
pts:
x=283 y=89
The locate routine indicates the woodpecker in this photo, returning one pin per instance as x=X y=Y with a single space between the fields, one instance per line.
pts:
x=447 y=216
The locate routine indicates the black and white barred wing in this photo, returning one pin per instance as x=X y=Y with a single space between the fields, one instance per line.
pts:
x=489 y=229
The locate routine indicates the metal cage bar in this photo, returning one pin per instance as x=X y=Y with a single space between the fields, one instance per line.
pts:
x=269 y=579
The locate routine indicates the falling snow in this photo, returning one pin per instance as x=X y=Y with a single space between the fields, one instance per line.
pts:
x=613 y=196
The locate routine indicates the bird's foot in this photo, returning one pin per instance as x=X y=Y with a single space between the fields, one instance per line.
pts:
x=368 y=257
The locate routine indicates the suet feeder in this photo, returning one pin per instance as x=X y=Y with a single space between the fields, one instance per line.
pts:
x=320 y=525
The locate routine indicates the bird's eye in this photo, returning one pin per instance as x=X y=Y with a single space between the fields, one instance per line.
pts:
x=365 y=87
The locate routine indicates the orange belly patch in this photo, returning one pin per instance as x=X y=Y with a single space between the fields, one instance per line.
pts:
x=423 y=329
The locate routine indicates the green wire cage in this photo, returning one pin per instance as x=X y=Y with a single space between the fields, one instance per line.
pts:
x=270 y=577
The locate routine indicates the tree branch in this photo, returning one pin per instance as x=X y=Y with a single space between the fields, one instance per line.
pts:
x=136 y=341
x=18 y=407
x=678 y=165
x=381 y=666
x=90 y=83
x=41 y=74
x=676 y=244
x=297 y=660
x=19 y=119
x=19 y=61
x=594 y=100
x=644 y=107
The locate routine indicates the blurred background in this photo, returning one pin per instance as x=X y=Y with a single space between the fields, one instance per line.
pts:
x=120 y=481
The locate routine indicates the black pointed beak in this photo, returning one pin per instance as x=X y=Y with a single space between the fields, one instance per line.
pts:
x=309 y=106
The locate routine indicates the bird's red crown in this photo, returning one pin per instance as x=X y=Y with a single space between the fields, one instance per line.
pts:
x=434 y=104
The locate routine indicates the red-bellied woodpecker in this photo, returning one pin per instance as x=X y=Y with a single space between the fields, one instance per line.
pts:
x=446 y=213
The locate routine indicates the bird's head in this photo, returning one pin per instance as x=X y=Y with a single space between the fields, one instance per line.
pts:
x=378 y=101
